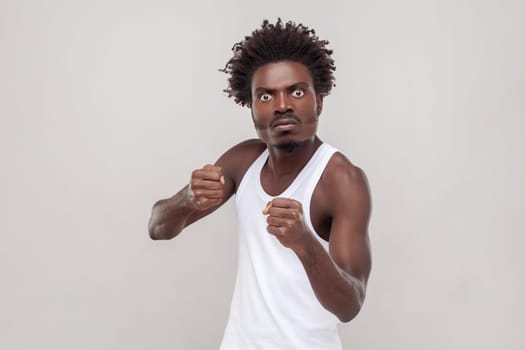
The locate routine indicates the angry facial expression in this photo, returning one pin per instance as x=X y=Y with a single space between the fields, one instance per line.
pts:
x=285 y=107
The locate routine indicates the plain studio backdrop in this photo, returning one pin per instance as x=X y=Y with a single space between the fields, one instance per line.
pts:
x=107 y=106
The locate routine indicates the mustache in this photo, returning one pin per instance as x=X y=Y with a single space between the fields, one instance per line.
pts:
x=280 y=117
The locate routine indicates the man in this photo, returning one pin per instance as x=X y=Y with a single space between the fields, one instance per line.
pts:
x=303 y=207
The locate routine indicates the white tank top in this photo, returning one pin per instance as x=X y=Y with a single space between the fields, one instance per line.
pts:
x=273 y=305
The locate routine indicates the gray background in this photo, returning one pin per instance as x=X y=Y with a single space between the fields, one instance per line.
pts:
x=107 y=106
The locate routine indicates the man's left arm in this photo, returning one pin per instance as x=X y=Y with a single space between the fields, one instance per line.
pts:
x=339 y=276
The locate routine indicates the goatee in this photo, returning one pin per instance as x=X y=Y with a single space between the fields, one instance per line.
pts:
x=287 y=146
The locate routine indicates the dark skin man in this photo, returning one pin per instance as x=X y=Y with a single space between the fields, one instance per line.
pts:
x=285 y=111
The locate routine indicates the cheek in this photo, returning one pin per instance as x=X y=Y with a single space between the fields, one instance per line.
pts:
x=310 y=110
x=258 y=119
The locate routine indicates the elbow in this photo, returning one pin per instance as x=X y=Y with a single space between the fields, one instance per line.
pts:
x=162 y=231
x=153 y=227
x=164 y=223
x=348 y=315
x=154 y=233
x=352 y=309
x=156 y=230
x=345 y=319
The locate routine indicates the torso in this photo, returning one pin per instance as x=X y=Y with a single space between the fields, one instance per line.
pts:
x=320 y=210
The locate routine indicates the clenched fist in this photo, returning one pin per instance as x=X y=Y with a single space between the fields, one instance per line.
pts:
x=286 y=222
x=206 y=188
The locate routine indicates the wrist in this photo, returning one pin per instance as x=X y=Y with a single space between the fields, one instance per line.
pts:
x=189 y=200
x=307 y=247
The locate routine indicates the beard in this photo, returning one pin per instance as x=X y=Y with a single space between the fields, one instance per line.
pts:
x=288 y=147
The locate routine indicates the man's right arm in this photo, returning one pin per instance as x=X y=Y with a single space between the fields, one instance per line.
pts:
x=207 y=190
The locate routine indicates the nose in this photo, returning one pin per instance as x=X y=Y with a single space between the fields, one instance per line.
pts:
x=282 y=103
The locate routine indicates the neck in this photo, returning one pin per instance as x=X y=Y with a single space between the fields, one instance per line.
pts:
x=291 y=158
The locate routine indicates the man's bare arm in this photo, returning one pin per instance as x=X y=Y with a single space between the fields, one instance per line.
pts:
x=208 y=189
x=338 y=277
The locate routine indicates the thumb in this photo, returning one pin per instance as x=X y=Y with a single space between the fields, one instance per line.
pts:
x=266 y=210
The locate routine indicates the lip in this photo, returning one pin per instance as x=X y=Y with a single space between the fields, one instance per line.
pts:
x=285 y=127
x=284 y=123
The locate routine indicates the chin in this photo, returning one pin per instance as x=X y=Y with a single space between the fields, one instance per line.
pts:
x=287 y=146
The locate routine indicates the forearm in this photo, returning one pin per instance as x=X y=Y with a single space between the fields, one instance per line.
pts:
x=170 y=216
x=338 y=291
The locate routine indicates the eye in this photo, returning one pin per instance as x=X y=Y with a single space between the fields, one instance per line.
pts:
x=298 y=93
x=265 y=97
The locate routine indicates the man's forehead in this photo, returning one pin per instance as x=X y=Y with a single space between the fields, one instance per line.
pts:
x=281 y=74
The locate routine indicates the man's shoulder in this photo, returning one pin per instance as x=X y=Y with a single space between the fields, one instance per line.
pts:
x=341 y=175
x=245 y=151
x=236 y=161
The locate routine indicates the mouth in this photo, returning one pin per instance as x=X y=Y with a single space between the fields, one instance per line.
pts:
x=286 y=123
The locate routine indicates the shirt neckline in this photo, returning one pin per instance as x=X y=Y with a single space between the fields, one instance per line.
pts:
x=293 y=185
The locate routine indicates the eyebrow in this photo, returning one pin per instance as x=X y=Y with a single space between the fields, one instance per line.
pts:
x=300 y=84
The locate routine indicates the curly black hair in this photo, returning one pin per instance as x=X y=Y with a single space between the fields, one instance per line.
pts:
x=273 y=43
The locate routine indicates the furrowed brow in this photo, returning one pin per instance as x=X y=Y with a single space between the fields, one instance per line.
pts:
x=263 y=90
x=300 y=84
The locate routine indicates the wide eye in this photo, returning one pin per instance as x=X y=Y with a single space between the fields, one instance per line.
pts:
x=265 y=97
x=298 y=93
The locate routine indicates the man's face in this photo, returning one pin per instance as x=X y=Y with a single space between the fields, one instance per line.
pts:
x=285 y=107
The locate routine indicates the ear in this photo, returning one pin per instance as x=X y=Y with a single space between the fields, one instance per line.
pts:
x=319 y=100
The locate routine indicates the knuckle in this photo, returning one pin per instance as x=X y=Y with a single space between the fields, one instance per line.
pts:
x=196 y=173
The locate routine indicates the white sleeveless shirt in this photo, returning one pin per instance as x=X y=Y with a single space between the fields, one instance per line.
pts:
x=273 y=305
